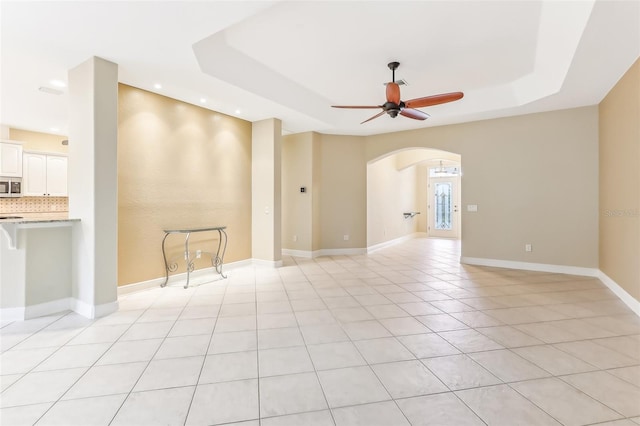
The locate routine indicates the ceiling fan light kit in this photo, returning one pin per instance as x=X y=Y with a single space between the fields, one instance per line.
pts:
x=394 y=105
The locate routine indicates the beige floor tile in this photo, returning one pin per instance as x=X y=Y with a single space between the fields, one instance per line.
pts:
x=596 y=354
x=169 y=373
x=323 y=333
x=442 y=322
x=106 y=380
x=224 y=403
x=290 y=394
x=508 y=336
x=329 y=356
x=428 y=345
x=229 y=367
x=314 y=418
x=40 y=387
x=279 y=338
x=408 y=378
x=176 y=347
x=470 y=341
x=84 y=412
x=386 y=349
x=628 y=374
x=508 y=366
x=460 y=372
x=564 y=402
x=547 y=332
x=613 y=392
x=554 y=360
x=627 y=345
x=351 y=386
x=157 y=406
x=376 y=414
x=24 y=415
x=500 y=405
x=476 y=319
x=441 y=409
x=362 y=330
x=22 y=361
x=275 y=362
x=404 y=326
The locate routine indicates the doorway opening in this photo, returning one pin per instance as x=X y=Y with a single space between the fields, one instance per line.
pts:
x=402 y=187
x=443 y=200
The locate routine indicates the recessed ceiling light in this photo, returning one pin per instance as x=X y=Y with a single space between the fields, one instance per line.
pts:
x=238 y=111
x=54 y=129
x=203 y=100
x=58 y=83
x=157 y=86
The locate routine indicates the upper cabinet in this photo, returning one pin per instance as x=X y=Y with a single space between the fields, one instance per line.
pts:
x=10 y=159
x=44 y=175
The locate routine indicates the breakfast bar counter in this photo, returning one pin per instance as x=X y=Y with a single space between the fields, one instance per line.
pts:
x=35 y=264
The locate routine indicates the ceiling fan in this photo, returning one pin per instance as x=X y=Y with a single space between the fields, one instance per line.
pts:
x=395 y=106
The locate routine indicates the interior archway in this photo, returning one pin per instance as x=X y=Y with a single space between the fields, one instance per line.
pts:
x=397 y=188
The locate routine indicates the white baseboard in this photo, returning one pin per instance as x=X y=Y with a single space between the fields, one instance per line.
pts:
x=395 y=241
x=12 y=314
x=199 y=275
x=526 y=266
x=267 y=263
x=324 y=252
x=628 y=299
x=307 y=254
x=47 y=308
x=58 y=305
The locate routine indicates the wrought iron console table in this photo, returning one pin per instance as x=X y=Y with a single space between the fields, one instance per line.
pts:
x=216 y=258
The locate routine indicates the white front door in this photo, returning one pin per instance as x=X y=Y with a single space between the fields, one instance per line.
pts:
x=444 y=207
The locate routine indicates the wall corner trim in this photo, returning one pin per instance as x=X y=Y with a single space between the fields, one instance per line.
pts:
x=527 y=266
x=628 y=299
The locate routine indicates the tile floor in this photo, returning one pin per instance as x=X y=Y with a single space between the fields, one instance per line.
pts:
x=403 y=336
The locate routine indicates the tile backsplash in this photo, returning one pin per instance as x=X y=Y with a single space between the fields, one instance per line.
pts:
x=34 y=204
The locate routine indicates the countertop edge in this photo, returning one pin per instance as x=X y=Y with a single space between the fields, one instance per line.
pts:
x=26 y=221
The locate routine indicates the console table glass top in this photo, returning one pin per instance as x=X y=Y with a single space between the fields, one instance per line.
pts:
x=217 y=258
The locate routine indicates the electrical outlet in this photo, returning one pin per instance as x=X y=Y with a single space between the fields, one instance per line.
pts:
x=198 y=254
x=527 y=247
x=295 y=238
x=346 y=237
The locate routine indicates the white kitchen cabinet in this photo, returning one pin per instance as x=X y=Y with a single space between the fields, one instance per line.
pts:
x=10 y=159
x=44 y=175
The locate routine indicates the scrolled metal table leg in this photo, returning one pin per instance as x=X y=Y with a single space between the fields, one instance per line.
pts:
x=166 y=264
x=187 y=258
x=220 y=259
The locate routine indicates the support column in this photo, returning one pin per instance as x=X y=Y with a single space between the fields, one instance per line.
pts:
x=266 y=142
x=93 y=185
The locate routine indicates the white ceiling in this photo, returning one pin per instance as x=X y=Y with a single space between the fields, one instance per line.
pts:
x=294 y=59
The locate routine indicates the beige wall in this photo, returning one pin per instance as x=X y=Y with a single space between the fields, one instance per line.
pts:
x=390 y=193
x=297 y=211
x=178 y=166
x=533 y=177
x=343 y=192
x=36 y=141
x=620 y=182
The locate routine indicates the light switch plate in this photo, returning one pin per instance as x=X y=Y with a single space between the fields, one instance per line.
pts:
x=472 y=207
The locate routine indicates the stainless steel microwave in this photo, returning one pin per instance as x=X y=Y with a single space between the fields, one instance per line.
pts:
x=10 y=187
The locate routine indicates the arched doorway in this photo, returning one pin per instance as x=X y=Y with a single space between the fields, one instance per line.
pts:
x=401 y=203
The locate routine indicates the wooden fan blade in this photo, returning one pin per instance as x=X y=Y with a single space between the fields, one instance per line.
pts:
x=393 y=93
x=414 y=113
x=357 y=106
x=434 y=100
x=375 y=116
